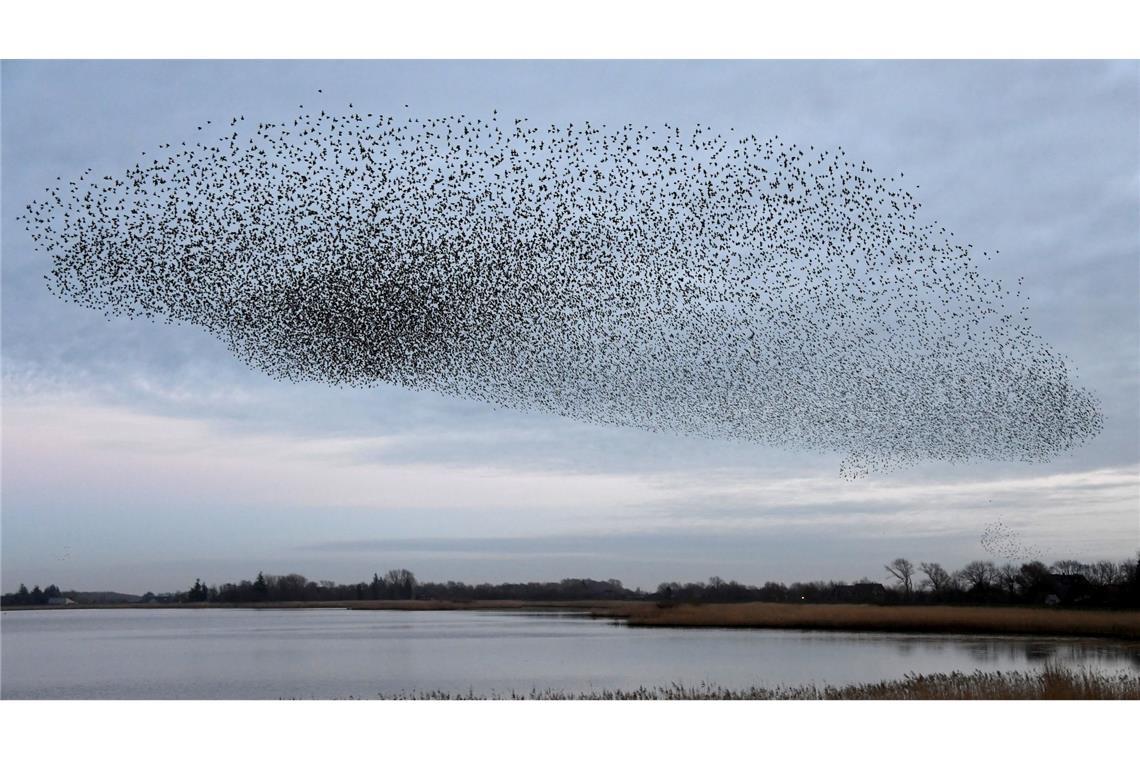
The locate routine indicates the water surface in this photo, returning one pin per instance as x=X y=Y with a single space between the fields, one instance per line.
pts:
x=337 y=653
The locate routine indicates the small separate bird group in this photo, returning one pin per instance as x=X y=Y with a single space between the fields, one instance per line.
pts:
x=663 y=278
x=1002 y=541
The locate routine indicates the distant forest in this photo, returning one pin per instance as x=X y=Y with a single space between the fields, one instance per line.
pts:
x=1067 y=583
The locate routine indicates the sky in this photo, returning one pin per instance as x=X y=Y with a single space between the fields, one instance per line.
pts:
x=140 y=456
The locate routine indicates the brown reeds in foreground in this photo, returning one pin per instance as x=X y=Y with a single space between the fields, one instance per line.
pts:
x=1051 y=683
x=1121 y=624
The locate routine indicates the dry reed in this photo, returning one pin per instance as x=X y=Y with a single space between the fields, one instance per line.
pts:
x=904 y=619
x=1050 y=683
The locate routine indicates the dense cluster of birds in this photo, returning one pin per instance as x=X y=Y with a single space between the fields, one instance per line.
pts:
x=670 y=279
x=999 y=540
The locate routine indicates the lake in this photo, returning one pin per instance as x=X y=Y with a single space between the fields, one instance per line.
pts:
x=337 y=653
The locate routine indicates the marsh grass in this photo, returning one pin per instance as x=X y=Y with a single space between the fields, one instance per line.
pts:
x=1050 y=683
x=903 y=619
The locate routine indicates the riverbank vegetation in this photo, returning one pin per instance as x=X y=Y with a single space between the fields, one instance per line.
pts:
x=1050 y=683
x=1120 y=624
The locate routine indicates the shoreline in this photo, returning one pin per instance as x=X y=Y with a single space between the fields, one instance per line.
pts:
x=1121 y=625
x=424 y=605
x=1049 y=683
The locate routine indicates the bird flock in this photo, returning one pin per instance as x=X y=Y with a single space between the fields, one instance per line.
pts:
x=670 y=279
x=1002 y=541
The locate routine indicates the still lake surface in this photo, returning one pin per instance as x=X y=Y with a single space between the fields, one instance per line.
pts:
x=336 y=653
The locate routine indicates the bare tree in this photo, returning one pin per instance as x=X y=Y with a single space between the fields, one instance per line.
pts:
x=403 y=581
x=1008 y=577
x=1106 y=572
x=903 y=571
x=1068 y=567
x=978 y=574
x=937 y=578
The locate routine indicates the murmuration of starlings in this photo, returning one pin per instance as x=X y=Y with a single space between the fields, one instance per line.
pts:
x=671 y=279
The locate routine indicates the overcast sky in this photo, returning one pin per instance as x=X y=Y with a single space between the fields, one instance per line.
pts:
x=140 y=456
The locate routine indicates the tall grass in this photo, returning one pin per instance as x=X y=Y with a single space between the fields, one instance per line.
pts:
x=908 y=619
x=1050 y=683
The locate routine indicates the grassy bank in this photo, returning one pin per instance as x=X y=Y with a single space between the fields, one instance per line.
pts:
x=858 y=617
x=1048 y=684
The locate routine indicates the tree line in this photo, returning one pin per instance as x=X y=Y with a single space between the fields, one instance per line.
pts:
x=35 y=596
x=1070 y=582
x=397 y=585
x=394 y=584
x=1067 y=583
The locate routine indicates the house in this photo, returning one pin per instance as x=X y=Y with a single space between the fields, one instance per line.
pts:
x=59 y=601
x=1071 y=588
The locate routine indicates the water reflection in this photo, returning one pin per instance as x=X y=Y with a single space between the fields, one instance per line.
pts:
x=991 y=650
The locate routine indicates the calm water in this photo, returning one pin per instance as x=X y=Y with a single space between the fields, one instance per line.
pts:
x=326 y=653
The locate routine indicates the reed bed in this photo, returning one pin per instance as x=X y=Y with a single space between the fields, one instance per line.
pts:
x=1119 y=624
x=1050 y=683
